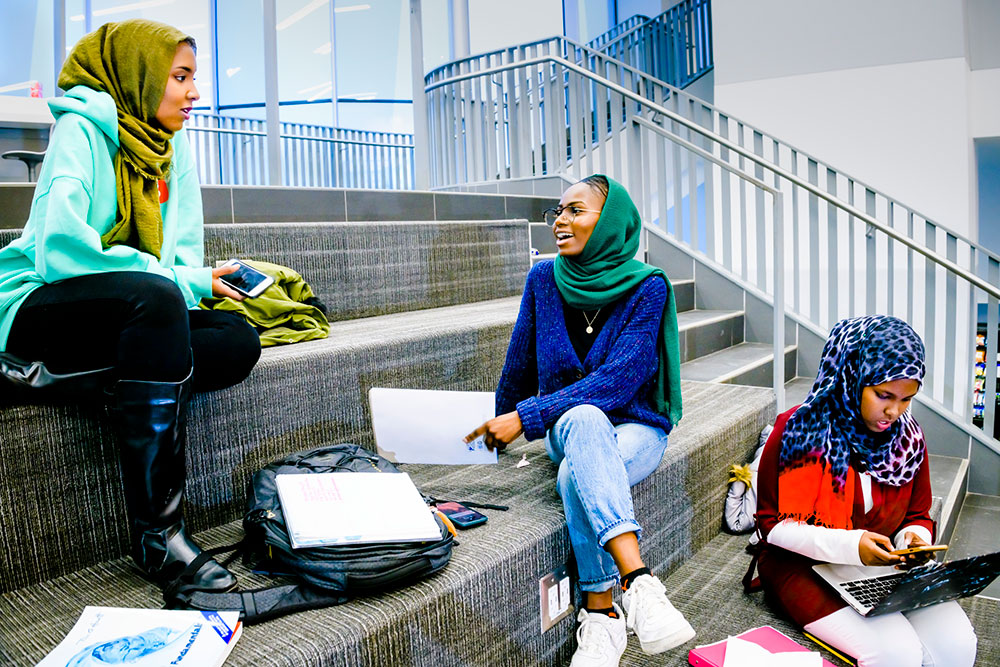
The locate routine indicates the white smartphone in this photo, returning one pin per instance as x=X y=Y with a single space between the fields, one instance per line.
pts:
x=246 y=280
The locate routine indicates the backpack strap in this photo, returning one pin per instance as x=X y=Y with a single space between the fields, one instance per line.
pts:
x=259 y=604
x=751 y=584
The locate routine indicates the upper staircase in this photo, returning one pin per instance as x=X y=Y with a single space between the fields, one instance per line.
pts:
x=805 y=243
x=763 y=227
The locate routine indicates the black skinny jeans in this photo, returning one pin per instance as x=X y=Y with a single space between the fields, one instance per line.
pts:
x=138 y=323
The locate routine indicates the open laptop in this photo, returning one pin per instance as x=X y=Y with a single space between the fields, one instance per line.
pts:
x=873 y=591
x=428 y=426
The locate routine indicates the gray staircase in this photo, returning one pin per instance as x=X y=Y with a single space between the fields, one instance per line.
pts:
x=411 y=308
x=421 y=315
x=425 y=303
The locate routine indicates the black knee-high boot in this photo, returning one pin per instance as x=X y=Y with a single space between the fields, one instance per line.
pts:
x=151 y=424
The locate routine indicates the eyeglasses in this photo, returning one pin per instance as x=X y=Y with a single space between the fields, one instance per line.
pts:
x=551 y=215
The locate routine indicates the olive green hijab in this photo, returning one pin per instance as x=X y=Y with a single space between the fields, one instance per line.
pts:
x=607 y=270
x=130 y=61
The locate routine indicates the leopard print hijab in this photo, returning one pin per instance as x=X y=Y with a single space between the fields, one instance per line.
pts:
x=826 y=435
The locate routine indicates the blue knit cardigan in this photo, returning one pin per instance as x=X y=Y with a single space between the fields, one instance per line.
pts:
x=543 y=377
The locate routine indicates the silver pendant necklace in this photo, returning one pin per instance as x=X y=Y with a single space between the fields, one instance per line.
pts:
x=590 y=320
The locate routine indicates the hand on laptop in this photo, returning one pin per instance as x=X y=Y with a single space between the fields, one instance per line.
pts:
x=875 y=549
x=499 y=431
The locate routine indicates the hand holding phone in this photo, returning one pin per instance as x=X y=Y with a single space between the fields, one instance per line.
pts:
x=919 y=549
x=245 y=280
x=917 y=553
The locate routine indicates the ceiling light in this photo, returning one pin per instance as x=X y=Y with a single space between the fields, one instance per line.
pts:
x=352 y=8
x=16 y=86
x=302 y=13
x=318 y=86
x=123 y=8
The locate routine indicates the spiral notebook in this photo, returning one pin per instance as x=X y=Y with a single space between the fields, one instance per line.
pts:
x=775 y=641
x=323 y=509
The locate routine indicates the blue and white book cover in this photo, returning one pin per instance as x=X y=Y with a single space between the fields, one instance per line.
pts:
x=147 y=638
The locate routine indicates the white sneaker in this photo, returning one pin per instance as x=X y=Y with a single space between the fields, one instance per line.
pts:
x=648 y=613
x=600 y=639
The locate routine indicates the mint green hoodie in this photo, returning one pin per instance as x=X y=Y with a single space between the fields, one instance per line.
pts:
x=75 y=203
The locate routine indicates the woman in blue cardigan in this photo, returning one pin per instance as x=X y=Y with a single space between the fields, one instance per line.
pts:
x=593 y=367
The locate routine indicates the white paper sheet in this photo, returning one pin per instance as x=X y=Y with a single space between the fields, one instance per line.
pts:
x=427 y=426
x=741 y=653
x=344 y=507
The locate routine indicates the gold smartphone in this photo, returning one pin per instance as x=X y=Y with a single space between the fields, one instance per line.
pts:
x=917 y=550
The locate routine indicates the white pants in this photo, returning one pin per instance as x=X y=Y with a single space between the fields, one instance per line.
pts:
x=937 y=636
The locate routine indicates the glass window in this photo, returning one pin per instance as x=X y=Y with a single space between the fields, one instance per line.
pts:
x=26 y=32
x=373 y=49
x=377 y=117
x=241 y=57
x=437 y=33
x=304 y=61
x=595 y=18
x=188 y=16
x=629 y=8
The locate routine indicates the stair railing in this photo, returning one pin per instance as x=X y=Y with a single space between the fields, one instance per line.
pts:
x=523 y=153
x=233 y=151
x=676 y=47
x=617 y=32
x=559 y=117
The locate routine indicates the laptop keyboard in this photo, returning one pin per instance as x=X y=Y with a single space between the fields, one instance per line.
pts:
x=870 y=591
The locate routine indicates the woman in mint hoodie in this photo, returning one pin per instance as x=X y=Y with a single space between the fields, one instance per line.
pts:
x=109 y=271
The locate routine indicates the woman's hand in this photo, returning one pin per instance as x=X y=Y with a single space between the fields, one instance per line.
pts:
x=874 y=550
x=913 y=560
x=499 y=431
x=219 y=288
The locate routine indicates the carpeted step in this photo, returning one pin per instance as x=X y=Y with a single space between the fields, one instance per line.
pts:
x=703 y=332
x=743 y=363
x=62 y=492
x=363 y=269
x=483 y=608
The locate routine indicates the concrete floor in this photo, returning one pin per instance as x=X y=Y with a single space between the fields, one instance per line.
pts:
x=978 y=532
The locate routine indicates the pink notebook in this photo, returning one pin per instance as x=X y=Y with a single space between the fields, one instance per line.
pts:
x=713 y=655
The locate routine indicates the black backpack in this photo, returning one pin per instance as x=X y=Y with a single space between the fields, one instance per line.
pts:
x=327 y=575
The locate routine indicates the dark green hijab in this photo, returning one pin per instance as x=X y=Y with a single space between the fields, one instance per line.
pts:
x=607 y=270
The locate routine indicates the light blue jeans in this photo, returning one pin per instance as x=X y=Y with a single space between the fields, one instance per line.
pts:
x=598 y=463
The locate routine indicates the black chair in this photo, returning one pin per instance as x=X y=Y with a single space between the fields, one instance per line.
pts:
x=31 y=160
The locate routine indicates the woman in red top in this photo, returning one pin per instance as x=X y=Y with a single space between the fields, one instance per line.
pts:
x=844 y=479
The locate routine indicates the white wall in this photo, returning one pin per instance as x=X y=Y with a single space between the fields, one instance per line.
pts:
x=496 y=25
x=902 y=129
x=773 y=38
x=984 y=103
x=880 y=90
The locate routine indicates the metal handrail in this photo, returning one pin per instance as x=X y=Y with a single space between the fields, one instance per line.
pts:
x=628 y=31
x=676 y=9
x=565 y=43
x=232 y=151
x=648 y=79
x=708 y=134
x=328 y=140
x=777 y=238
